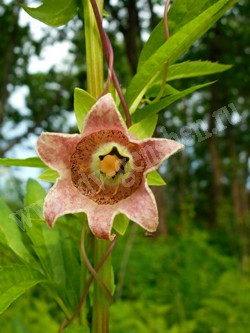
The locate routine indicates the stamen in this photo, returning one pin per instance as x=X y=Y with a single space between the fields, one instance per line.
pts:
x=139 y=169
x=116 y=190
x=100 y=189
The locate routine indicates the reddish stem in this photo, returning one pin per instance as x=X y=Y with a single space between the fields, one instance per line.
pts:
x=109 y=56
x=166 y=19
x=66 y=323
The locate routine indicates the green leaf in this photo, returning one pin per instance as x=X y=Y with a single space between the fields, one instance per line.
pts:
x=182 y=71
x=53 y=12
x=34 y=162
x=83 y=102
x=45 y=241
x=14 y=281
x=180 y=13
x=35 y=225
x=145 y=128
x=49 y=175
x=195 y=68
x=164 y=102
x=10 y=234
x=69 y=229
x=172 y=49
x=121 y=223
x=155 y=179
x=153 y=91
x=56 y=250
x=77 y=328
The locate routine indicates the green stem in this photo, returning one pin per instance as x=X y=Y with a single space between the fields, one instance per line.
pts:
x=101 y=301
x=94 y=57
x=94 y=53
x=84 y=271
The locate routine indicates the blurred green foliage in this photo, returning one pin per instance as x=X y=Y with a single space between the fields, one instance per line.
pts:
x=202 y=289
x=30 y=314
x=181 y=283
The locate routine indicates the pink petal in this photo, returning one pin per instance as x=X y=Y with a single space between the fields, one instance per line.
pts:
x=100 y=219
x=103 y=115
x=55 y=149
x=155 y=151
x=63 y=198
x=141 y=208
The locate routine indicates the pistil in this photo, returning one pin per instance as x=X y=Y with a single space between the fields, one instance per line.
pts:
x=110 y=165
x=113 y=163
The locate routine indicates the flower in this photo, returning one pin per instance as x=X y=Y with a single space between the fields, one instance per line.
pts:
x=103 y=171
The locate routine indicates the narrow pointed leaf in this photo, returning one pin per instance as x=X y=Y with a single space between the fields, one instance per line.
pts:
x=34 y=162
x=164 y=102
x=10 y=235
x=14 y=281
x=180 y=13
x=56 y=250
x=195 y=68
x=172 y=49
x=45 y=241
x=185 y=70
x=153 y=91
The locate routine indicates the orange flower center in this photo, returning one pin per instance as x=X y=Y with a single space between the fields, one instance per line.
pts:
x=110 y=165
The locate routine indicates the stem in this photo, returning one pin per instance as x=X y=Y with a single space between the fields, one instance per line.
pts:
x=124 y=261
x=83 y=310
x=94 y=56
x=91 y=268
x=166 y=28
x=101 y=300
x=165 y=69
x=65 y=323
x=109 y=56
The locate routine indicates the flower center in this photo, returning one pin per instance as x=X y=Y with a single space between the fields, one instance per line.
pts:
x=113 y=163
x=106 y=167
x=110 y=165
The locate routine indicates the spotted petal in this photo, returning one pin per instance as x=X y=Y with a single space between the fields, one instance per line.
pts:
x=155 y=151
x=55 y=149
x=100 y=220
x=63 y=198
x=141 y=208
x=104 y=115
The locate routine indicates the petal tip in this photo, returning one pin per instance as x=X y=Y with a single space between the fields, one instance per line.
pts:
x=107 y=237
x=141 y=208
x=49 y=220
x=50 y=224
x=101 y=233
x=103 y=115
x=180 y=146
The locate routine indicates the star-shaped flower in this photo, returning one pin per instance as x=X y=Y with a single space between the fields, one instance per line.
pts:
x=103 y=171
